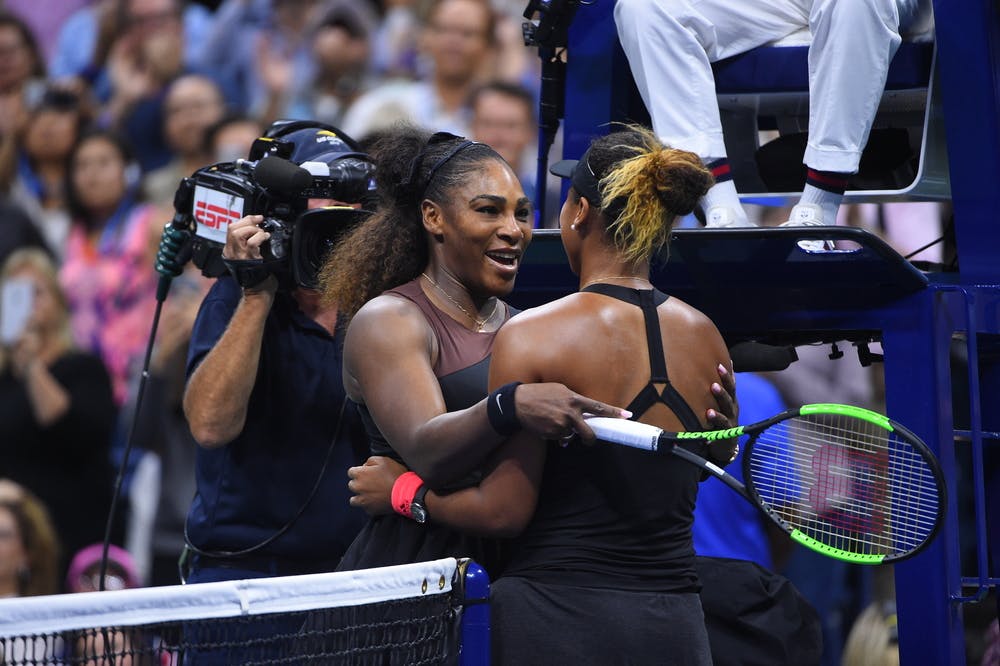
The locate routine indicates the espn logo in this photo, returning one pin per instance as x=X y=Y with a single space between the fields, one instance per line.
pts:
x=214 y=211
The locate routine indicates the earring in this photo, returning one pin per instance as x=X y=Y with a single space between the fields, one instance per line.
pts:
x=573 y=226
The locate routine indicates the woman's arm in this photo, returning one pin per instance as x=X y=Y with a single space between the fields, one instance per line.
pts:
x=505 y=499
x=388 y=364
x=500 y=506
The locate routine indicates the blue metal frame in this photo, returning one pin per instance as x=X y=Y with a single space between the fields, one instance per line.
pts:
x=917 y=329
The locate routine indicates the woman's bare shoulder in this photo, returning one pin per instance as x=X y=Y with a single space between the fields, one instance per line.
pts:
x=546 y=316
x=689 y=315
x=388 y=318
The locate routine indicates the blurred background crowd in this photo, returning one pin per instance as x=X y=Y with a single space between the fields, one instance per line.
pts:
x=105 y=105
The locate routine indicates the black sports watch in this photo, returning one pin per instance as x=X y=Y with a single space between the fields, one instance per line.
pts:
x=418 y=507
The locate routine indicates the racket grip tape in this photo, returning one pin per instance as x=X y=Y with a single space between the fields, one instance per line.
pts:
x=629 y=433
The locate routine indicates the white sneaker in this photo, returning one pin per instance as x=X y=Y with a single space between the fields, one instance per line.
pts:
x=724 y=217
x=809 y=215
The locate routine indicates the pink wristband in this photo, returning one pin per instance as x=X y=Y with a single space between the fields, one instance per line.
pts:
x=403 y=491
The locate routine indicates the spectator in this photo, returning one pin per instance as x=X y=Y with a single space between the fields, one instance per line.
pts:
x=272 y=55
x=503 y=117
x=458 y=39
x=144 y=58
x=230 y=139
x=394 y=43
x=45 y=19
x=86 y=37
x=341 y=51
x=106 y=272
x=34 y=161
x=56 y=409
x=21 y=69
x=29 y=546
x=192 y=104
x=874 y=637
x=84 y=573
x=113 y=646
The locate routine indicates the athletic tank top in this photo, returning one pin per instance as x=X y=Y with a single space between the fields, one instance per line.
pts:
x=611 y=516
x=462 y=370
x=462 y=366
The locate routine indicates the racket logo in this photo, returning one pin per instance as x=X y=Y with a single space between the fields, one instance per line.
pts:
x=851 y=488
x=712 y=435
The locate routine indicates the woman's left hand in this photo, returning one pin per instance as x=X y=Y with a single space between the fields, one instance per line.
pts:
x=372 y=482
x=726 y=416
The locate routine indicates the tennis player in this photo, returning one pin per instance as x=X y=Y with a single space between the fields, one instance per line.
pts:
x=423 y=279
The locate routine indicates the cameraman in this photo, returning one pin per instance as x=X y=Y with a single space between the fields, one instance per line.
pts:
x=265 y=401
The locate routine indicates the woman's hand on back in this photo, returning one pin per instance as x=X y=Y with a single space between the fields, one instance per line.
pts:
x=553 y=411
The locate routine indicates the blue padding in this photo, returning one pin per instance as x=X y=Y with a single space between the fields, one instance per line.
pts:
x=786 y=69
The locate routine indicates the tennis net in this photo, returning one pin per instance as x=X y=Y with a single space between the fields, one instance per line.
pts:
x=410 y=614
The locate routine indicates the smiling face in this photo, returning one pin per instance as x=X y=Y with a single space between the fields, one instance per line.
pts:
x=479 y=235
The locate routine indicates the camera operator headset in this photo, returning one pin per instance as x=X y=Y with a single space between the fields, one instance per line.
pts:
x=264 y=397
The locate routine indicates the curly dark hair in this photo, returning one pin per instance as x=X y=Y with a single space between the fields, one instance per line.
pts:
x=391 y=247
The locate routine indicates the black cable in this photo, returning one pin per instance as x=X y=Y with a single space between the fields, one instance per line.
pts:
x=234 y=554
x=934 y=242
x=116 y=494
x=174 y=252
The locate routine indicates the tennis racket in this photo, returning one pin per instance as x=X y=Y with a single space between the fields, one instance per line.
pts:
x=843 y=481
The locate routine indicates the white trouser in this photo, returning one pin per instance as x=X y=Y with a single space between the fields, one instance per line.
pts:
x=670 y=45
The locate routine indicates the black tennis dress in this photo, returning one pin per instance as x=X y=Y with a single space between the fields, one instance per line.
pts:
x=605 y=571
x=462 y=370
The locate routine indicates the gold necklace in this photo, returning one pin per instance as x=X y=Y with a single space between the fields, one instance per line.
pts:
x=614 y=277
x=480 y=323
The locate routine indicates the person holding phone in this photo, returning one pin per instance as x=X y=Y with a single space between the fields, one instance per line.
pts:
x=56 y=407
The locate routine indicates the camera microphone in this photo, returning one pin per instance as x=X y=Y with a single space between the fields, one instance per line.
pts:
x=175 y=243
x=279 y=175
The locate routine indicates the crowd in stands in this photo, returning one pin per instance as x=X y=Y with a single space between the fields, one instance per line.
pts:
x=105 y=105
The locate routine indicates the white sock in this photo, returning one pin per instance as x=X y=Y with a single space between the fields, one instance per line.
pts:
x=722 y=204
x=829 y=202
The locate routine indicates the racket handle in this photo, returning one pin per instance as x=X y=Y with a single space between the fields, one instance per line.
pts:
x=629 y=433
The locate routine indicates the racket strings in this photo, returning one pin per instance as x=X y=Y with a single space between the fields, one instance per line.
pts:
x=845 y=482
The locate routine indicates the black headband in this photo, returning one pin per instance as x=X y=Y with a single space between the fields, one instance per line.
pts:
x=450 y=154
x=581 y=176
x=438 y=137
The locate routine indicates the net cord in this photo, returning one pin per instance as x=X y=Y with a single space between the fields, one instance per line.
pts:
x=122 y=608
